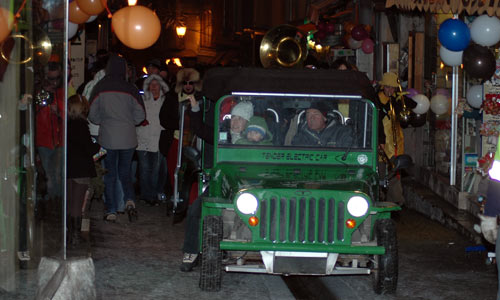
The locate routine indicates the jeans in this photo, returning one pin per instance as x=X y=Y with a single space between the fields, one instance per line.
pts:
x=152 y=174
x=51 y=163
x=192 y=232
x=118 y=193
x=118 y=165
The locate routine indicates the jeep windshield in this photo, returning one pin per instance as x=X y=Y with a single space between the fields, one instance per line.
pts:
x=291 y=121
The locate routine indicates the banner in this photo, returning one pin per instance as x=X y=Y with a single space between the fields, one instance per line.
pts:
x=490 y=7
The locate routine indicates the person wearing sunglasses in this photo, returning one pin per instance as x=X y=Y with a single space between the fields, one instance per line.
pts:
x=187 y=85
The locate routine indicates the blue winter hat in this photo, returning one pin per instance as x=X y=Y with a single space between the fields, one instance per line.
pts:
x=258 y=124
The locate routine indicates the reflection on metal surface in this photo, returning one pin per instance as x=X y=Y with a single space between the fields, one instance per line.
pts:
x=39 y=49
x=283 y=46
x=42 y=46
x=30 y=47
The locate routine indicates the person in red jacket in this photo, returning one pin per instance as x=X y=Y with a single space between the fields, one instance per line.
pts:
x=49 y=127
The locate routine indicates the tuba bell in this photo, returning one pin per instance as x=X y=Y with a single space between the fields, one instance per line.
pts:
x=283 y=46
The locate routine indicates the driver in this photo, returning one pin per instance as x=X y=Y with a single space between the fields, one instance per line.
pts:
x=320 y=133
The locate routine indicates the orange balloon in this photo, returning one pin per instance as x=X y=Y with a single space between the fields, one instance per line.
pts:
x=137 y=27
x=76 y=15
x=6 y=21
x=348 y=26
x=90 y=7
x=367 y=27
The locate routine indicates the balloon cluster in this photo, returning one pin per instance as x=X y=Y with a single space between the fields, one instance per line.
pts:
x=455 y=37
x=83 y=11
x=137 y=27
x=355 y=36
x=439 y=103
x=358 y=36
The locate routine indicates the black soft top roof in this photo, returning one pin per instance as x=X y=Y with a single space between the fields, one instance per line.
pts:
x=223 y=81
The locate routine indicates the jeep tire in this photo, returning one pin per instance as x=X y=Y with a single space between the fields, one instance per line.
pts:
x=211 y=258
x=385 y=272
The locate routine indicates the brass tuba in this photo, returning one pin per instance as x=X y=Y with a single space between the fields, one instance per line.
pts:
x=283 y=46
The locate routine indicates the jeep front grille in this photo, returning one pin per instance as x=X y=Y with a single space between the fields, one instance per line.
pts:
x=301 y=220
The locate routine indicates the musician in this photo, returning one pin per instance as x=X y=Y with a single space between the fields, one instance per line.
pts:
x=392 y=104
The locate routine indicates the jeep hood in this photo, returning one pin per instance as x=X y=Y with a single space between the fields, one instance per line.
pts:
x=248 y=176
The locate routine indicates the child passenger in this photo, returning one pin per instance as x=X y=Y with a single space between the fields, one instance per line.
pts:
x=257 y=133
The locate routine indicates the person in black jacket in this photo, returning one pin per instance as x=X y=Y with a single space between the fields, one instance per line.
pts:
x=188 y=85
x=80 y=152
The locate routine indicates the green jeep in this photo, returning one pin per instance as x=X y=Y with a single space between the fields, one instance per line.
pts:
x=283 y=207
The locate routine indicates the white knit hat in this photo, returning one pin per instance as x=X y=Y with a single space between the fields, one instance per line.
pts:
x=243 y=109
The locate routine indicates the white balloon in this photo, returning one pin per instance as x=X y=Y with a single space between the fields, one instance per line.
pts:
x=485 y=30
x=439 y=104
x=450 y=58
x=72 y=29
x=91 y=19
x=422 y=104
x=475 y=96
x=353 y=44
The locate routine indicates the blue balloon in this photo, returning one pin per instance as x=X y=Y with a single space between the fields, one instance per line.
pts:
x=454 y=35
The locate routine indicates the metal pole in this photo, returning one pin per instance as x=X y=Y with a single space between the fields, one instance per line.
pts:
x=453 y=139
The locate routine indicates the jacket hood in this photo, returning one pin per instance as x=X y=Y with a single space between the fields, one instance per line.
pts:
x=164 y=87
x=116 y=67
x=259 y=124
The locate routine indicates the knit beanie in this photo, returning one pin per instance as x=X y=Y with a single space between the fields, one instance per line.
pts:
x=258 y=124
x=243 y=109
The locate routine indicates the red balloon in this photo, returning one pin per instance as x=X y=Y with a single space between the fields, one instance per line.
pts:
x=359 y=33
x=367 y=46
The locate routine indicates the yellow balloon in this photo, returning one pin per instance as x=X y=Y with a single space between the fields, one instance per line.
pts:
x=137 y=27
x=90 y=7
x=76 y=14
x=6 y=22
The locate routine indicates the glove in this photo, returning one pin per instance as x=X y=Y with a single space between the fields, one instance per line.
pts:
x=489 y=228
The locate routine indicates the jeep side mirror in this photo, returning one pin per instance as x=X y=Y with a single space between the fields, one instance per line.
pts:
x=193 y=155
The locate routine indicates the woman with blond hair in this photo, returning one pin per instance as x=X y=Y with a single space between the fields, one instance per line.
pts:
x=80 y=163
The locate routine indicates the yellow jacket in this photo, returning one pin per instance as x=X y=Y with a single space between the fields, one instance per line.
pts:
x=391 y=148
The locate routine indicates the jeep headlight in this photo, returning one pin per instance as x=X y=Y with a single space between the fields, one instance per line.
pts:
x=357 y=206
x=247 y=203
